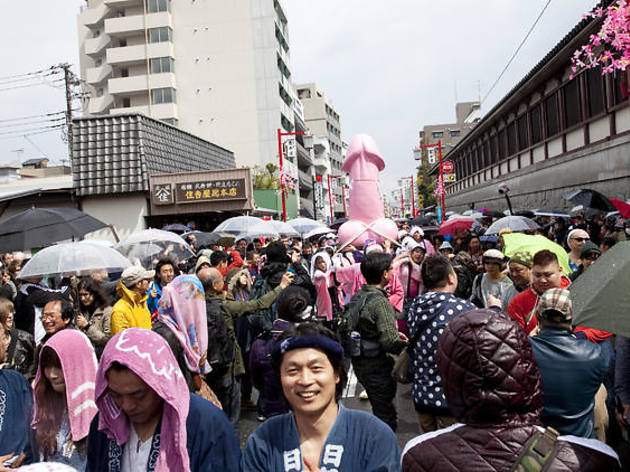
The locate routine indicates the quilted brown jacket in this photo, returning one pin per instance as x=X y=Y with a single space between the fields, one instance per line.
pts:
x=492 y=386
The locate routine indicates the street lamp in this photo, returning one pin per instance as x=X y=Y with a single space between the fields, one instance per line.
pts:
x=284 y=203
x=504 y=190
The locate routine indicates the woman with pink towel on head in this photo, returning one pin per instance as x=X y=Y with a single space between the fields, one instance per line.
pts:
x=63 y=397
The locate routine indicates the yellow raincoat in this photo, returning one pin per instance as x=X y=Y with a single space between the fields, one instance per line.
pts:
x=130 y=311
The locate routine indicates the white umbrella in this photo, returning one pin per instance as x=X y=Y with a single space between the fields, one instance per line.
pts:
x=316 y=232
x=514 y=223
x=148 y=246
x=304 y=225
x=74 y=259
x=284 y=229
x=247 y=226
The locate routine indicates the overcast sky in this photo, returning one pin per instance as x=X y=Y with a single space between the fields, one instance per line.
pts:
x=390 y=67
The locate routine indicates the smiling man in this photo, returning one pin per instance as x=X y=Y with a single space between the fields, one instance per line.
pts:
x=319 y=434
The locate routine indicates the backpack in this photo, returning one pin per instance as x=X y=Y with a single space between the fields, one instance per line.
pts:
x=262 y=320
x=221 y=344
x=348 y=321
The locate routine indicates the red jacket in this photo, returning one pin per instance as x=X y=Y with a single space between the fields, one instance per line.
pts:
x=522 y=305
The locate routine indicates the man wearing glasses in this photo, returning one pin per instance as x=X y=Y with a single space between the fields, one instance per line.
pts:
x=576 y=240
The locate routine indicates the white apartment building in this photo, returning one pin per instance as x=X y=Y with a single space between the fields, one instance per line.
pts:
x=216 y=69
x=324 y=122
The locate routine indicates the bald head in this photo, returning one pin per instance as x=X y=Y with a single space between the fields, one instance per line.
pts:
x=211 y=279
x=577 y=239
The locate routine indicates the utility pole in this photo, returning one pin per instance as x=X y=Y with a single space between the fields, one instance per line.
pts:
x=69 y=80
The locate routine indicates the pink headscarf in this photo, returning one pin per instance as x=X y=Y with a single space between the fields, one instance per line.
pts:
x=183 y=309
x=148 y=356
x=78 y=363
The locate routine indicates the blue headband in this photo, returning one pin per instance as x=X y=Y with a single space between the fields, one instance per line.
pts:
x=316 y=341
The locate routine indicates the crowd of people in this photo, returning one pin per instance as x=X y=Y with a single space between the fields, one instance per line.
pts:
x=150 y=369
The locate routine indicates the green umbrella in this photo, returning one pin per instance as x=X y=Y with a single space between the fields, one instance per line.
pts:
x=516 y=242
x=600 y=295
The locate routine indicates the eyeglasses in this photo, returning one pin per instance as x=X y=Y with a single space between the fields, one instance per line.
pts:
x=48 y=316
x=593 y=256
x=581 y=240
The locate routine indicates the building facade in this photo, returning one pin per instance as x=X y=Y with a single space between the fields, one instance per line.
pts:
x=324 y=122
x=550 y=134
x=467 y=116
x=218 y=70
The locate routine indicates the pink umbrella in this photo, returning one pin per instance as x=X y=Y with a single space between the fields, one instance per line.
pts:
x=456 y=225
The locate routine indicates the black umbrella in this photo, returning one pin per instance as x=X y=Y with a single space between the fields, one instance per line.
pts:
x=176 y=228
x=422 y=221
x=39 y=227
x=337 y=223
x=493 y=214
x=209 y=239
x=589 y=199
x=526 y=213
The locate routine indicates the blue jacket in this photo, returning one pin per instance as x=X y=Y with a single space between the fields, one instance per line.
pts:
x=572 y=371
x=16 y=403
x=427 y=317
x=152 y=303
x=622 y=370
x=357 y=442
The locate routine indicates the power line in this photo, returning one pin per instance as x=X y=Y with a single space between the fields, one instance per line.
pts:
x=31 y=123
x=22 y=118
x=56 y=81
x=24 y=135
x=30 y=78
x=517 y=50
x=51 y=69
x=18 y=133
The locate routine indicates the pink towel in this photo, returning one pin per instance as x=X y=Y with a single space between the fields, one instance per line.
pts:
x=78 y=363
x=147 y=354
x=183 y=309
x=352 y=279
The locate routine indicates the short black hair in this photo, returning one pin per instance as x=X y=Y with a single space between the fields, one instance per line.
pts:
x=374 y=265
x=435 y=271
x=545 y=257
x=217 y=257
x=291 y=302
x=310 y=329
x=166 y=261
x=608 y=241
x=67 y=308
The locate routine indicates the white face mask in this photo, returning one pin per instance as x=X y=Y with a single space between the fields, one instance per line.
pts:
x=627 y=231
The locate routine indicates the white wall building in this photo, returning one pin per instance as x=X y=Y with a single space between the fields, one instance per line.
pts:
x=324 y=122
x=216 y=69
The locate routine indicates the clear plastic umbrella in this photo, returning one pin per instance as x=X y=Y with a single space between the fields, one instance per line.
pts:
x=80 y=258
x=514 y=223
x=284 y=229
x=247 y=226
x=147 y=247
x=304 y=225
x=316 y=232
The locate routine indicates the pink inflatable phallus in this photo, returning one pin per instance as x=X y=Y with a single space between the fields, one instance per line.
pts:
x=367 y=217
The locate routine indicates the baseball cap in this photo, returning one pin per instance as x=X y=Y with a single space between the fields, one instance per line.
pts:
x=557 y=300
x=493 y=256
x=134 y=274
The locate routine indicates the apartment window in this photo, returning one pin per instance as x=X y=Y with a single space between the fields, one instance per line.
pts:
x=494 y=149
x=124 y=72
x=122 y=43
x=156 y=6
x=503 y=152
x=595 y=90
x=437 y=134
x=160 y=35
x=163 y=95
x=553 y=121
x=620 y=83
x=522 y=133
x=536 y=119
x=572 y=115
x=511 y=133
x=455 y=133
x=162 y=65
x=126 y=102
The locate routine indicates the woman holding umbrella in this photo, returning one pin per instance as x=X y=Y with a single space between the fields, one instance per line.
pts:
x=95 y=314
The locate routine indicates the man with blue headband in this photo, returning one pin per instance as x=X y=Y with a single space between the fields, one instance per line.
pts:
x=319 y=434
